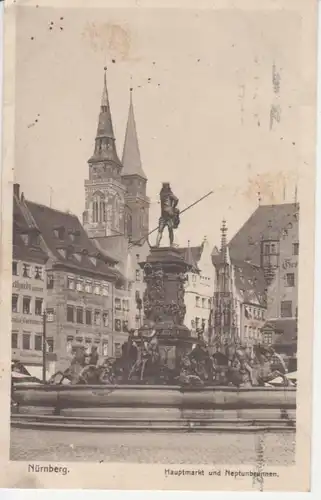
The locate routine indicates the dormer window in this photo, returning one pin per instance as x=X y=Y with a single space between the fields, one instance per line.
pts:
x=59 y=232
x=93 y=260
x=25 y=239
x=62 y=252
x=77 y=257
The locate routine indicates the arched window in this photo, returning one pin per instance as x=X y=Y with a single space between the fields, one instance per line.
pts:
x=99 y=208
x=117 y=213
x=129 y=226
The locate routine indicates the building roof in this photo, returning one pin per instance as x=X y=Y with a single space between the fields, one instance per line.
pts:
x=250 y=282
x=192 y=255
x=266 y=223
x=69 y=243
x=131 y=160
x=284 y=328
x=21 y=251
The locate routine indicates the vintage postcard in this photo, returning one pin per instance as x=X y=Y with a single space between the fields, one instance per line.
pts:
x=157 y=250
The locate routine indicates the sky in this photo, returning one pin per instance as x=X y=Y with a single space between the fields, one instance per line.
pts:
x=204 y=83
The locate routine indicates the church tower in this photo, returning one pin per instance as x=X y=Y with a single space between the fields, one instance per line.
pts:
x=104 y=190
x=135 y=181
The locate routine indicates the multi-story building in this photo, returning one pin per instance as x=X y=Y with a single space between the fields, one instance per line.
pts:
x=81 y=284
x=199 y=287
x=116 y=212
x=270 y=240
x=28 y=290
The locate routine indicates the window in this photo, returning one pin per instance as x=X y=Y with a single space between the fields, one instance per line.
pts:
x=70 y=314
x=69 y=345
x=38 y=307
x=105 y=319
x=117 y=304
x=193 y=324
x=26 y=341
x=117 y=350
x=97 y=289
x=88 y=287
x=194 y=278
x=50 y=315
x=80 y=286
x=14 y=303
x=14 y=341
x=117 y=325
x=25 y=239
x=88 y=317
x=80 y=315
x=266 y=249
x=14 y=268
x=105 y=348
x=137 y=275
x=273 y=248
x=59 y=232
x=125 y=326
x=197 y=322
x=204 y=303
x=197 y=300
x=295 y=249
x=97 y=318
x=286 y=309
x=26 y=270
x=290 y=281
x=209 y=303
x=38 y=272
x=70 y=283
x=105 y=289
x=50 y=281
x=38 y=342
x=125 y=305
x=245 y=332
x=268 y=338
x=50 y=345
x=137 y=321
x=26 y=305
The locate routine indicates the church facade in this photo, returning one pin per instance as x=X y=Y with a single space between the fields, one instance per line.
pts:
x=116 y=214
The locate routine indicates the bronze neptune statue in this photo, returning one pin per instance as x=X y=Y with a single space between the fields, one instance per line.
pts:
x=169 y=214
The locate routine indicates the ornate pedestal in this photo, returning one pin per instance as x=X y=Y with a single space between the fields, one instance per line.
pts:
x=165 y=274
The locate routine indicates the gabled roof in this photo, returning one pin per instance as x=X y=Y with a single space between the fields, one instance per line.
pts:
x=80 y=253
x=33 y=251
x=250 y=282
x=266 y=223
x=131 y=160
x=192 y=255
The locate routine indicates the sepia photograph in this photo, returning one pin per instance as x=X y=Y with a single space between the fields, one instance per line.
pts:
x=159 y=190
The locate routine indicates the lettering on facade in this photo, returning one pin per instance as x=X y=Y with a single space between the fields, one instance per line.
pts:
x=26 y=286
x=19 y=319
x=288 y=264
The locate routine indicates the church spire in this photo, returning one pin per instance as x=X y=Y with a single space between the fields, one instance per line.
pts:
x=131 y=155
x=105 y=148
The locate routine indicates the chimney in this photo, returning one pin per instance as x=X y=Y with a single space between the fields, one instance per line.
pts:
x=16 y=190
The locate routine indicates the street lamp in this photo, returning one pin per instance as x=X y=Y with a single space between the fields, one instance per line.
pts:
x=44 y=346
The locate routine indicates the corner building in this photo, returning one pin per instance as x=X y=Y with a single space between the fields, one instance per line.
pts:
x=28 y=289
x=80 y=285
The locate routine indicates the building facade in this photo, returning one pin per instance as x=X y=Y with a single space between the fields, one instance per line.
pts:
x=29 y=292
x=81 y=285
x=270 y=240
x=199 y=288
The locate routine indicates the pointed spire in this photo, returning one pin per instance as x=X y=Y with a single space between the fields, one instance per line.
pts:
x=105 y=148
x=131 y=155
x=224 y=240
x=105 y=125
